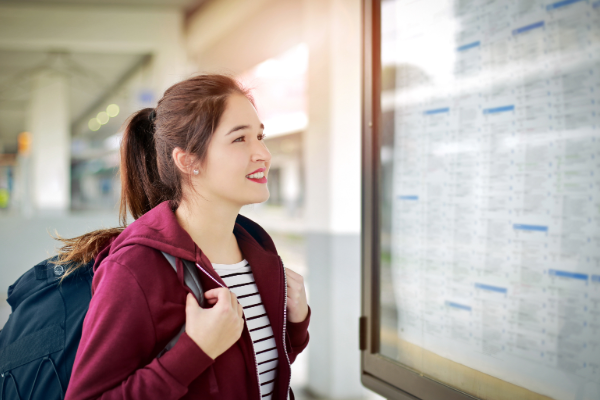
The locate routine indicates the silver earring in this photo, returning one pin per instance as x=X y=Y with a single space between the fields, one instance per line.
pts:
x=195 y=172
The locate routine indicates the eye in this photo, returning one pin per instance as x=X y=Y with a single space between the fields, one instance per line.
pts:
x=261 y=136
x=240 y=139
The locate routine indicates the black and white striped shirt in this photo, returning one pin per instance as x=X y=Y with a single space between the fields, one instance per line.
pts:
x=240 y=280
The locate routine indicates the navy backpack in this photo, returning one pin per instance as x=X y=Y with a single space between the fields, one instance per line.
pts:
x=40 y=339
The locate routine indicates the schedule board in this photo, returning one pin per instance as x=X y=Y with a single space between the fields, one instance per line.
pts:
x=491 y=173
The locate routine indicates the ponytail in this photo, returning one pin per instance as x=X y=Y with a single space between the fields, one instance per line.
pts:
x=141 y=189
x=81 y=250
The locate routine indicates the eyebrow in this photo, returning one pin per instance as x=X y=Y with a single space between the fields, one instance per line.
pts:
x=240 y=127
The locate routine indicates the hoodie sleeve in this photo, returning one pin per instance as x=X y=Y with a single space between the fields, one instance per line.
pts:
x=114 y=358
x=298 y=336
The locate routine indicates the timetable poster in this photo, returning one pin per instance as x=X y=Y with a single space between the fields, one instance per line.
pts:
x=495 y=228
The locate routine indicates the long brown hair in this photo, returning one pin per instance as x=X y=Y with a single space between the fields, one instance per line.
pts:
x=185 y=117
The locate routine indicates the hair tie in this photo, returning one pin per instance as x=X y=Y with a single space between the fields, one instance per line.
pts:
x=152 y=116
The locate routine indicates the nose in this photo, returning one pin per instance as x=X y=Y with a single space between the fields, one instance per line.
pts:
x=260 y=152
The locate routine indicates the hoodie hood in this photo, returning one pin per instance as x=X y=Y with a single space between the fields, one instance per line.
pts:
x=159 y=229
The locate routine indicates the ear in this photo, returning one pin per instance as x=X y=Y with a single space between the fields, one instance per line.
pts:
x=185 y=162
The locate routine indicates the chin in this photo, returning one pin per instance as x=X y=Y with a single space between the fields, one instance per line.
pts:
x=259 y=198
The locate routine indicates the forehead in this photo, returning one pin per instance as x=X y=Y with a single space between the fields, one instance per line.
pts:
x=239 y=110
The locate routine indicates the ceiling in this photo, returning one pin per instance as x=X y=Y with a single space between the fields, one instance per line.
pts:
x=184 y=4
x=91 y=74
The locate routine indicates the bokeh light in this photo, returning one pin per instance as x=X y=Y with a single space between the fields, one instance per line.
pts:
x=94 y=124
x=102 y=117
x=24 y=142
x=112 y=110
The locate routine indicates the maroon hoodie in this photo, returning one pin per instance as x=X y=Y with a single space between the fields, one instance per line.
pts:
x=138 y=306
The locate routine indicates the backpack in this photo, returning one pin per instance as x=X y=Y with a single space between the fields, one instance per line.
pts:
x=39 y=342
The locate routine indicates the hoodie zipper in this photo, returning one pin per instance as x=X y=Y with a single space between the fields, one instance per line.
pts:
x=284 y=326
x=253 y=351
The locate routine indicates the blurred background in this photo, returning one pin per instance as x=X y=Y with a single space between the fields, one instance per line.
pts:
x=72 y=71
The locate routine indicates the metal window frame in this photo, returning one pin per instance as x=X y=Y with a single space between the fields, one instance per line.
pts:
x=380 y=374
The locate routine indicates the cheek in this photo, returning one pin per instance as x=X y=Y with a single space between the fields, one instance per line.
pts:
x=221 y=176
x=226 y=167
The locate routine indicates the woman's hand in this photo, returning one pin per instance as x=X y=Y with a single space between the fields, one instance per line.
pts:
x=214 y=329
x=297 y=306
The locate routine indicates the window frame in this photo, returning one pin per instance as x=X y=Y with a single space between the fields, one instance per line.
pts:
x=378 y=373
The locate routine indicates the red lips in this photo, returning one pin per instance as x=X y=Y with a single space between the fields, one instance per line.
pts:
x=258 y=170
x=261 y=180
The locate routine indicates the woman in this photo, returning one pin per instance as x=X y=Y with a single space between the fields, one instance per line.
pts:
x=187 y=167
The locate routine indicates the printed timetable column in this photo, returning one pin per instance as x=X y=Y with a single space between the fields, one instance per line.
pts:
x=407 y=227
x=438 y=235
x=528 y=306
x=497 y=165
x=593 y=342
x=567 y=325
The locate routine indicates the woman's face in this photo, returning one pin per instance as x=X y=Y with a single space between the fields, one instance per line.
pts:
x=237 y=162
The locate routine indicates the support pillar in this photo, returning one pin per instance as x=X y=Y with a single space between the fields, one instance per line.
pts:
x=50 y=159
x=332 y=29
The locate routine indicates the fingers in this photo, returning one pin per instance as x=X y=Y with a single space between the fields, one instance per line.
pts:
x=296 y=297
x=293 y=276
x=212 y=293
x=234 y=301
x=218 y=295
x=190 y=302
x=295 y=281
x=222 y=296
x=240 y=310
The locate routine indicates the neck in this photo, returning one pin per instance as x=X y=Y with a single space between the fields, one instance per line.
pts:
x=210 y=225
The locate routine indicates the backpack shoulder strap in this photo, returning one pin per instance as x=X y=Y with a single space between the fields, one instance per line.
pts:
x=192 y=281
x=190 y=277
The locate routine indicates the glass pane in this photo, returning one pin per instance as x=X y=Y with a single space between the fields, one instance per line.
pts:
x=490 y=202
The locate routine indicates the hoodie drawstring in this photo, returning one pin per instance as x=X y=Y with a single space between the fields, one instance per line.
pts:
x=212 y=381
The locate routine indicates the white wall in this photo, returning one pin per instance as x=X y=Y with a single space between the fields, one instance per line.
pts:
x=232 y=36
